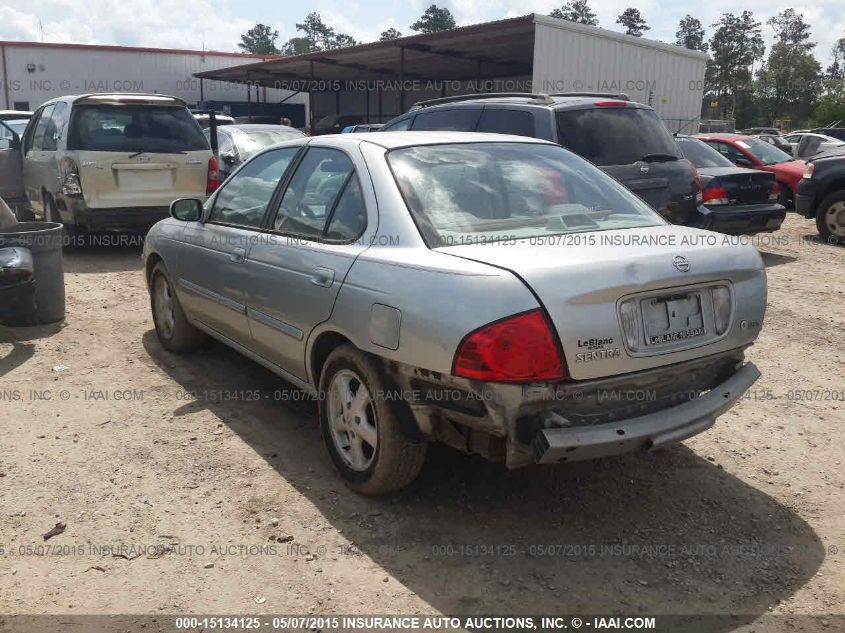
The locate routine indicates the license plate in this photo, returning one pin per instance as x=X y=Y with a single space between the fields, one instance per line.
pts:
x=673 y=318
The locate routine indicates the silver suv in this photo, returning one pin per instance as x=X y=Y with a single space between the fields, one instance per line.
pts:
x=113 y=161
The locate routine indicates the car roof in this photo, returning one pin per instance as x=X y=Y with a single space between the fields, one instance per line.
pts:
x=107 y=98
x=392 y=140
x=260 y=127
x=724 y=136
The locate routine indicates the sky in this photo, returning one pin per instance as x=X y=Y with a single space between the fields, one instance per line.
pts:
x=218 y=24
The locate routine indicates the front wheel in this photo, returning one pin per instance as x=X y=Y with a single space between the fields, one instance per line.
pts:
x=830 y=218
x=362 y=433
x=172 y=327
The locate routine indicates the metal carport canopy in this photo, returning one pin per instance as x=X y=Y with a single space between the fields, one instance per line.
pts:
x=504 y=48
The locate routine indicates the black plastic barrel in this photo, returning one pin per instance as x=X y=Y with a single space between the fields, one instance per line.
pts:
x=44 y=240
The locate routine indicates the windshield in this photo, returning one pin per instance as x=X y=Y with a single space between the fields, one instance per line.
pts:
x=248 y=143
x=487 y=192
x=700 y=154
x=134 y=129
x=766 y=152
x=614 y=135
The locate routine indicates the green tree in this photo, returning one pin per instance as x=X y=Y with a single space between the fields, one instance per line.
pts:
x=318 y=36
x=434 y=19
x=690 y=34
x=576 y=11
x=836 y=70
x=735 y=45
x=260 y=40
x=790 y=80
x=633 y=22
x=390 y=34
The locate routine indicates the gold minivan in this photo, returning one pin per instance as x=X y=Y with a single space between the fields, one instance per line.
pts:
x=114 y=161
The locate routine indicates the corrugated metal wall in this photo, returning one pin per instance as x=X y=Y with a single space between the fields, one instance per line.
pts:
x=36 y=74
x=574 y=57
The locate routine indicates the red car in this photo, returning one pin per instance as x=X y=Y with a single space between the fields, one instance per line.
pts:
x=749 y=151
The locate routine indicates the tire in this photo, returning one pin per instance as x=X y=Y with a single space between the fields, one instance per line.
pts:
x=172 y=327
x=830 y=218
x=785 y=197
x=51 y=214
x=396 y=459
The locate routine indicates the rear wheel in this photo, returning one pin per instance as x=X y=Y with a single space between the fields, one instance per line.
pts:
x=360 y=428
x=51 y=214
x=172 y=327
x=830 y=218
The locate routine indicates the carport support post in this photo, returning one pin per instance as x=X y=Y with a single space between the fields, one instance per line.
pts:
x=401 y=79
x=248 y=98
x=311 y=98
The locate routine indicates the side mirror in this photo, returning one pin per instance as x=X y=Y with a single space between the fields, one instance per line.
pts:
x=228 y=158
x=743 y=162
x=186 y=209
x=6 y=143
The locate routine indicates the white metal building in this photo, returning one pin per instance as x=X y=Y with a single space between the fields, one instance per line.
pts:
x=532 y=53
x=31 y=73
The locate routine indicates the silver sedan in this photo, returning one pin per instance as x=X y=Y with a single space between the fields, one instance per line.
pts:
x=495 y=293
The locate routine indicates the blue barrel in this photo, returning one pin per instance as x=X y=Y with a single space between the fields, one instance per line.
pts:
x=44 y=240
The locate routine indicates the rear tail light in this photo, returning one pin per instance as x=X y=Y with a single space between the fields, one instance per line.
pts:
x=774 y=194
x=714 y=195
x=698 y=188
x=611 y=104
x=721 y=308
x=809 y=168
x=213 y=180
x=71 y=183
x=521 y=348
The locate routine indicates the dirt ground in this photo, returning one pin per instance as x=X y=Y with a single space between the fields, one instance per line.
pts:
x=200 y=484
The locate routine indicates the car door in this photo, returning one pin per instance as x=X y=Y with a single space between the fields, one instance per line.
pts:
x=319 y=230
x=212 y=276
x=34 y=158
x=11 y=174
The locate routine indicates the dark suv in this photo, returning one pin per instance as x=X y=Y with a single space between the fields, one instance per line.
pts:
x=625 y=139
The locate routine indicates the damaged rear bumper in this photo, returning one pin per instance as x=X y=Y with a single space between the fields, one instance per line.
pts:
x=645 y=432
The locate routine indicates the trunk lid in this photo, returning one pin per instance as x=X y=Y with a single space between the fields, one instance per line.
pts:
x=582 y=279
x=667 y=186
x=744 y=186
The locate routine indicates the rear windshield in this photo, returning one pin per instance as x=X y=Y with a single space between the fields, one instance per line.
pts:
x=250 y=142
x=614 y=135
x=701 y=154
x=134 y=128
x=766 y=152
x=489 y=192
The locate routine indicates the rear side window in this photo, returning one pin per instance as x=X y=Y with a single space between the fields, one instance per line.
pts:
x=313 y=191
x=500 y=121
x=458 y=120
x=134 y=128
x=614 y=136
x=399 y=126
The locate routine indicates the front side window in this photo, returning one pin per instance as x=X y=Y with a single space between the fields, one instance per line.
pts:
x=54 y=127
x=399 y=126
x=482 y=192
x=134 y=128
x=615 y=135
x=244 y=198
x=733 y=154
x=313 y=192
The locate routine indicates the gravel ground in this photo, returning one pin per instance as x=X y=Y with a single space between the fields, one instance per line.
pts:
x=180 y=497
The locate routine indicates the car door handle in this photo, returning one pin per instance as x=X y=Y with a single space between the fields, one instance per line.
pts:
x=323 y=277
x=238 y=255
